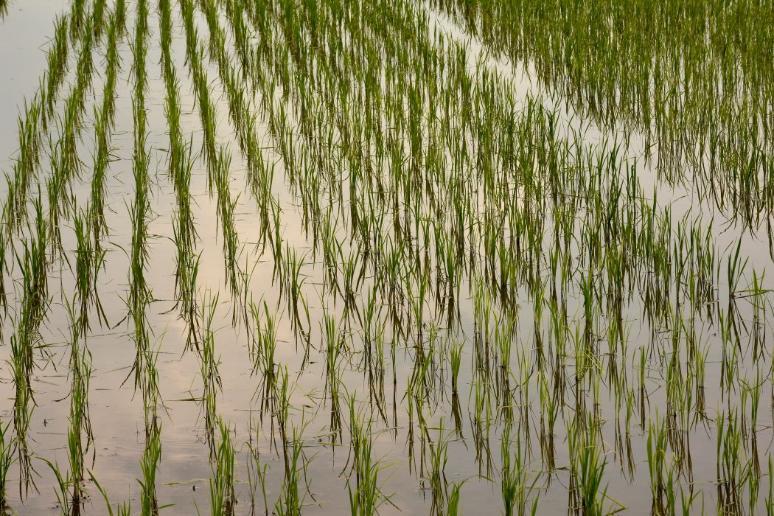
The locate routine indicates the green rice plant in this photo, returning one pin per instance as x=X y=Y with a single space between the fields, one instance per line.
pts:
x=438 y=482
x=365 y=497
x=22 y=413
x=103 y=127
x=123 y=509
x=65 y=163
x=515 y=487
x=57 y=61
x=149 y=464
x=89 y=260
x=6 y=461
x=210 y=373
x=656 y=454
x=61 y=489
x=119 y=9
x=77 y=15
x=222 y=495
x=98 y=15
x=280 y=410
x=770 y=496
x=587 y=466
x=263 y=347
x=140 y=295
x=549 y=412
x=291 y=500
x=453 y=503
x=15 y=207
x=256 y=473
x=731 y=471
x=334 y=343
x=3 y=293
x=455 y=360
x=79 y=433
x=292 y=283
x=33 y=307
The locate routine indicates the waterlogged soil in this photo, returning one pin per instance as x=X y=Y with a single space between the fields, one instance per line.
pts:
x=401 y=445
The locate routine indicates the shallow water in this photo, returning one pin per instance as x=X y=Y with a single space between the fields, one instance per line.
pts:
x=116 y=408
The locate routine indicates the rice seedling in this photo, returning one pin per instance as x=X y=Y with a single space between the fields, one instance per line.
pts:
x=256 y=472
x=89 y=260
x=210 y=374
x=263 y=347
x=222 y=497
x=291 y=500
x=149 y=504
x=515 y=486
x=365 y=497
x=122 y=509
x=6 y=460
x=3 y=292
x=79 y=435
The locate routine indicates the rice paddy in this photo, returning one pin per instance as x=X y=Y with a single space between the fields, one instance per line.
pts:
x=387 y=257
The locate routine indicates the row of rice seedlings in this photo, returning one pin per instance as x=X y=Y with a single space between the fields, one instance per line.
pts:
x=259 y=176
x=26 y=338
x=210 y=374
x=88 y=262
x=6 y=460
x=70 y=486
x=31 y=127
x=104 y=123
x=365 y=497
x=149 y=464
x=180 y=165
x=65 y=162
x=217 y=159
x=140 y=296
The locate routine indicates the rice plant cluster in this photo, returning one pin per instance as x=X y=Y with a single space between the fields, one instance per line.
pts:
x=391 y=256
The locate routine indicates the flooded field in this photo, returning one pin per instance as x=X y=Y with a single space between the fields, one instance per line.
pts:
x=386 y=257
